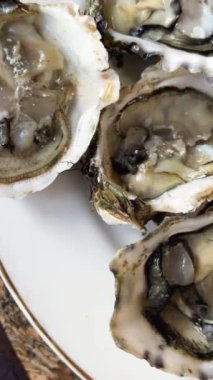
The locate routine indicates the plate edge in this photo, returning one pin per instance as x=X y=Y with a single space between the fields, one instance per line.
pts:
x=38 y=327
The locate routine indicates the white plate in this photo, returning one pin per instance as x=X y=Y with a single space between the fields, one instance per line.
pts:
x=54 y=258
x=55 y=251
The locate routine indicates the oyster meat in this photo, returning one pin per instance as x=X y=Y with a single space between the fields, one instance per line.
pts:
x=179 y=30
x=47 y=118
x=164 y=305
x=155 y=147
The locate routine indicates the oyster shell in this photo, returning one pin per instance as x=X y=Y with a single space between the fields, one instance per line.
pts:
x=48 y=113
x=155 y=148
x=164 y=284
x=178 y=30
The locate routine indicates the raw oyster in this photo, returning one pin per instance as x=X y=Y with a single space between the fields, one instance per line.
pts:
x=164 y=305
x=179 y=30
x=51 y=57
x=155 y=148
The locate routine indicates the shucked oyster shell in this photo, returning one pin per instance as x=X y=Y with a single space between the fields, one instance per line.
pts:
x=164 y=305
x=181 y=31
x=155 y=148
x=54 y=81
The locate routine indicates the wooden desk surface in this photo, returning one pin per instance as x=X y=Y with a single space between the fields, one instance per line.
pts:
x=23 y=355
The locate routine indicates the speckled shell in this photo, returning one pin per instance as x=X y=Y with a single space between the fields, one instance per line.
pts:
x=131 y=331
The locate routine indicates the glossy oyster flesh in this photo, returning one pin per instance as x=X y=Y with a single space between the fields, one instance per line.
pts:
x=164 y=27
x=46 y=117
x=35 y=95
x=164 y=284
x=156 y=142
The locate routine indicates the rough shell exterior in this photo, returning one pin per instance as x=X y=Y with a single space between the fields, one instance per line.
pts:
x=131 y=331
x=172 y=58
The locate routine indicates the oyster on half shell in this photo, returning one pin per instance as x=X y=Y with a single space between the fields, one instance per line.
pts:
x=179 y=30
x=51 y=57
x=164 y=305
x=155 y=148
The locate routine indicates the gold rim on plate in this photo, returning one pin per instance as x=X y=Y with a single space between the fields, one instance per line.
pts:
x=38 y=327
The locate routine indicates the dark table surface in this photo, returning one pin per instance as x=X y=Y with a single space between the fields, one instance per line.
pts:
x=23 y=355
